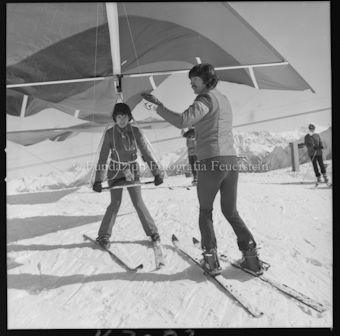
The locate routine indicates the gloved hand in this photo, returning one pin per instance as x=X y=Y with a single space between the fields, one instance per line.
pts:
x=152 y=99
x=158 y=180
x=321 y=147
x=97 y=186
x=315 y=147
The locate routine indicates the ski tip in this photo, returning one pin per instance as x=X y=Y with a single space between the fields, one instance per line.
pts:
x=195 y=240
x=174 y=238
x=139 y=267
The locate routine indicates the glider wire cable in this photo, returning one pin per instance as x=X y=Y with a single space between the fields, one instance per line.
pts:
x=139 y=67
x=94 y=103
x=39 y=158
x=257 y=92
x=94 y=160
x=93 y=109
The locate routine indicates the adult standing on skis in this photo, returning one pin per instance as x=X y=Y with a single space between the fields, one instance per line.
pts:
x=192 y=153
x=314 y=145
x=122 y=140
x=211 y=114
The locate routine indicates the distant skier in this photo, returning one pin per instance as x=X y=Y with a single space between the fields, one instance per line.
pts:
x=192 y=153
x=122 y=140
x=314 y=145
x=211 y=114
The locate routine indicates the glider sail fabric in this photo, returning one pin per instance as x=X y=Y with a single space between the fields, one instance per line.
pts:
x=49 y=42
x=57 y=42
x=170 y=36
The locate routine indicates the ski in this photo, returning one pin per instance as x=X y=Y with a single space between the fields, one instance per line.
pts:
x=133 y=269
x=227 y=286
x=280 y=286
x=159 y=258
x=327 y=183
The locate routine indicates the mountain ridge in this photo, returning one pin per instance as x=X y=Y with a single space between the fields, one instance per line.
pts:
x=269 y=149
x=264 y=147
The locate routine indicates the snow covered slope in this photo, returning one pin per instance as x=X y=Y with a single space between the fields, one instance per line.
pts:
x=56 y=280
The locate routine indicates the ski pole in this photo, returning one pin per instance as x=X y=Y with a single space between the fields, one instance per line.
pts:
x=128 y=185
x=309 y=167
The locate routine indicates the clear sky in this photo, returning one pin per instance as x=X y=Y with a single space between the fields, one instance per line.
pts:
x=300 y=32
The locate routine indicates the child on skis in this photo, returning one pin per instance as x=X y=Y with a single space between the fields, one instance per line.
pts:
x=122 y=140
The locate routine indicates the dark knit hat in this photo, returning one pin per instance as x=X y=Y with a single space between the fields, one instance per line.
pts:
x=121 y=108
x=190 y=133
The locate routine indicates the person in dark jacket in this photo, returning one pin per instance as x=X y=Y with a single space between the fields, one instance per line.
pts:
x=192 y=153
x=314 y=145
x=211 y=113
x=122 y=141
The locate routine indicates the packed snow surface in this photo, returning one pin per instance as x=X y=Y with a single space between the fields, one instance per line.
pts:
x=56 y=279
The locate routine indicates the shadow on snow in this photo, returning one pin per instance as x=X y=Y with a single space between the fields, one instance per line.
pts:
x=30 y=227
x=41 y=197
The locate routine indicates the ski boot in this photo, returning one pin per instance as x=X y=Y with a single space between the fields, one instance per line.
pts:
x=155 y=238
x=252 y=263
x=194 y=181
x=104 y=241
x=210 y=262
x=325 y=178
x=318 y=180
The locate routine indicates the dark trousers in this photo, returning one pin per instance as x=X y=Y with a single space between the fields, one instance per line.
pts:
x=192 y=163
x=220 y=174
x=110 y=216
x=318 y=159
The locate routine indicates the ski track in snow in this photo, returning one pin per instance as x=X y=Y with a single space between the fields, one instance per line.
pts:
x=56 y=279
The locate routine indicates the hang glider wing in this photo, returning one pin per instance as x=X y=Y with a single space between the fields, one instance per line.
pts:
x=70 y=56
x=69 y=45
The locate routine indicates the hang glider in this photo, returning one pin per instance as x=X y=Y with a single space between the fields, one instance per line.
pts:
x=73 y=52
x=81 y=58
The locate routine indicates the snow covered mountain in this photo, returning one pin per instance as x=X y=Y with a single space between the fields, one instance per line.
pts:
x=270 y=150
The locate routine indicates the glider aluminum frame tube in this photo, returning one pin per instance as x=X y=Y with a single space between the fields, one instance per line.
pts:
x=217 y=69
x=141 y=75
x=112 y=19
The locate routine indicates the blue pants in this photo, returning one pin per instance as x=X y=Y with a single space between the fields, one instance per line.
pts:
x=220 y=174
x=110 y=216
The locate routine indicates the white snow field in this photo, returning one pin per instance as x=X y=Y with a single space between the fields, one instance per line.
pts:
x=58 y=280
